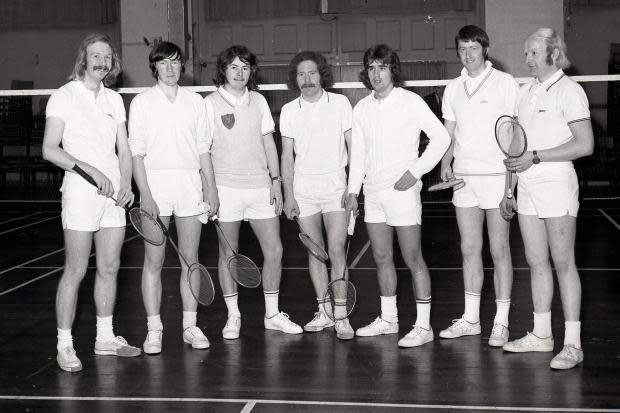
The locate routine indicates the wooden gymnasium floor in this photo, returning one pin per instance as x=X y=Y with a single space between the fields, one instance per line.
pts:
x=266 y=371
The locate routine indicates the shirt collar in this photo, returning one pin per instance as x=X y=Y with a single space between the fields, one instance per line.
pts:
x=552 y=79
x=467 y=78
x=395 y=91
x=322 y=100
x=82 y=87
x=232 y=99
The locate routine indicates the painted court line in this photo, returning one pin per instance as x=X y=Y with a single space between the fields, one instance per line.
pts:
x=311 y=403
x=248 y=407
x=360 y=254
x=610 y=219
x=18 y=218
x=29 y=225
x=47 y=274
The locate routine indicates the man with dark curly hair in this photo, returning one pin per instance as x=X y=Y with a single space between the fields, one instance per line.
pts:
x=384 y=158
x=247 y=177
x=316 y=132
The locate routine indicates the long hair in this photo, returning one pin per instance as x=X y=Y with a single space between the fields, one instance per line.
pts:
x=384 y=54
x=471 y=33
x=165 y=50
x=79 y=68
x=325 y=71
x=226 y=57
x=553 y=41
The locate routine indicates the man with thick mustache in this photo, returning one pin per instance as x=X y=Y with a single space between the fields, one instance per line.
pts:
x=85 y=131
x=316 y=131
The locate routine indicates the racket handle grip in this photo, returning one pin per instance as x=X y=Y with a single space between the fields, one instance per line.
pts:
x=84 y=175
x=351 y=226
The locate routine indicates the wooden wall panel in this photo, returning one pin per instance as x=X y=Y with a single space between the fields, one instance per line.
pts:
x=389 y=32
x=252 y=36
x=353 y=37
x=285 y=39
x=422 y=34
x=320 y=37
x=220 y=37
x=16 y=14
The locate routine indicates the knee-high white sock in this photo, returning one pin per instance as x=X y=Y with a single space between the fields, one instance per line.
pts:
x=572 y=333
x=232 y=305
x=153 y=323
x=472 y=307
x=65 y=339
x=271 y=303
x=423 y=310
x=503 y=308
x=189 y=319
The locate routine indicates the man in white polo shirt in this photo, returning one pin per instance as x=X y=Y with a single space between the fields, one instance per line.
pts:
x=472 y=104
x=553 y=110
x=247 y=175
x=384 y=157
x=316 y=131
x=84 y=132
x=169 y=143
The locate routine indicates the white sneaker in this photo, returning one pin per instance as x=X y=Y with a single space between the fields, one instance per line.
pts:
x=194 y=336
x=344 y=331
x=377 y=328
x=118 y=346
x=499 y=335
x=68 y=360
x=318 y=323
x=568 y=358
x=416 y=337
x=152 y=344
x=232 y=328
x=282 y=322
x=530 y=342
x=460 y=328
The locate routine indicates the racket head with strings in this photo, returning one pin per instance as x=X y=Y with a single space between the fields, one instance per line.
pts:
x=312 y=246
x=341 y=296
x=455 y=183
x=340 y=299
x=244 y=271
x=201 y=284
x=510 y=136
x=148 y=227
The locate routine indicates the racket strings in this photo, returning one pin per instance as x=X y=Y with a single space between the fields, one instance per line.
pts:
x=511 y=138
x=341 y=296
x=312 y=247
x=201 y=284
x=147 y=226
x=244 y=271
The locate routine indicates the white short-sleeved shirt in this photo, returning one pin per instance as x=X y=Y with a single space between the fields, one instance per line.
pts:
x=386 y=138
x=170 y=135
x=267 y=123
x=317 y=129
x=91 y=123
x=475 y=104
x=545 y=111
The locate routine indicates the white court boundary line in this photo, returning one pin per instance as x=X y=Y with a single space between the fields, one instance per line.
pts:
x=610 y=219
x=18 y=218
x=309 y=403
x=29 y=225
x=47 y=274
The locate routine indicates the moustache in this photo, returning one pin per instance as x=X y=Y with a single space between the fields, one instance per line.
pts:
x=104 y=68
x=307 y=85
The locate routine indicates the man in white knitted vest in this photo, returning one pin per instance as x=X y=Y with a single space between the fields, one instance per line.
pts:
x=247 y=176
x=384 y=157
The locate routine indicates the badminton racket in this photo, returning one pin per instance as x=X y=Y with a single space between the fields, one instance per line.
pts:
x=512 y=141
x=452 y=183
x=313 y=248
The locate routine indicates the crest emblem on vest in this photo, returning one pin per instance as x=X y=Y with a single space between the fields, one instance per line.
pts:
x=228 y=120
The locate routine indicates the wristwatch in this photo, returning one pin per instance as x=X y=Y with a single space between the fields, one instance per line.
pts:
x=276 y=178
x=535 y=159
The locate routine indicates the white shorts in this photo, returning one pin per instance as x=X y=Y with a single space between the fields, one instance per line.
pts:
x=395 y=208
x=176 y=191
x=83 y=209
x=319 y=193
x=238 y=204
x=484 y=192
x=552 y=194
